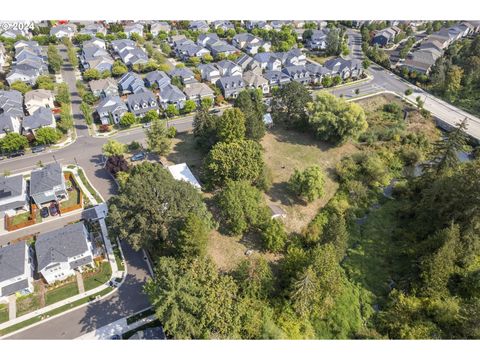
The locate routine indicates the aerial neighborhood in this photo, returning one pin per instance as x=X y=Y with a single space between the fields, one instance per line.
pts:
x=239 y=179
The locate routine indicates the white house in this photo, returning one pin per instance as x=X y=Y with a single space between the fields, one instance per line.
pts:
x=16 y=269
x=64 y=30
x=38 y=98
x=62 y=251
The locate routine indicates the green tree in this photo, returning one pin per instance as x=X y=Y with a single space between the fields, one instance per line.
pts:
x=171 y=111
x=366 y=63
x=13 y=142
x=158 y=139
x=47 y=136
x=45 y=82
x=231 y=126
x=63 y=94
x=113 y=148
x=55 y=61
x=206 y=103
x=242 y=207
x=308 y=184
x=193 y=237
x=151 y=206
x=119 y=68
x=251 y=104
x=127 y=119
x=66 y=119
x=87 y=112
x=333 y=42
x=336 y=120
x=20 y=86
x=150 y=116
x=289 y=105
x=336 y=233
x=453 y=80
x=205 y=129
x=274 y=235
x=91 y=74
x=240 y=160
x=189 y=106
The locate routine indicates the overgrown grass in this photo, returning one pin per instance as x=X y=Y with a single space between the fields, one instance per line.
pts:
x=28 y=303
x=61 y=293
x=3 y=313
x=101 y=277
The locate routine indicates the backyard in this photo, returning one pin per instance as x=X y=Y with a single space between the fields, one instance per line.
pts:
x=73 y=199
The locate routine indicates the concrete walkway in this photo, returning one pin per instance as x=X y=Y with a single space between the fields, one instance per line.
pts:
x=118 y=327
x=12 y=307
x=81 y=287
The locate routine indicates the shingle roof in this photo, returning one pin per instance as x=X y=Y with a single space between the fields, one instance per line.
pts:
x=46 y=178
x=111 y=104
x=12 y=260
x=60 y=244
x=41 y=117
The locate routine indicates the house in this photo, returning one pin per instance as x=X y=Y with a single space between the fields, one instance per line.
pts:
x=94 y=41
x=221 y=47
x=318 y=40
x=94 y=29
x=129 y=52
x=185 y=74
x=142 y=102
x=198 y=91
x=42 y=117
x=386 y=36
x=47 y=184
x=35 y=99
x=181 y=172
x=268 y=61
x=135 y=28
x=156 y=78
x=25 y=73
x=160 y=26
x=187 y=49
x=277 y=25
x=9 y=124
x=206 y=39
x=63 y=251
x=104 y=87
x=16 y=269
x=259 y=24
x=244 y=61
x=256 y=81
x=110 y=110
x=231 y=86
x=225 y=25
x=292 y=57
x=170 y=94
x=276 y=78
x=131 y=82
x=29 y=63
x=199 y=25
x=63 y=30
x=209 y=72
x=14 y=33
x=228 y=68
x=250 y=43
x=344 y=68
x=317 y=72
x=11 y=103
x=297 y=73
x=13 y=194
x=422 y=60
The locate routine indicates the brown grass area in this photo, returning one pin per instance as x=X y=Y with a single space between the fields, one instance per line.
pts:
x=184 y=151
x=286 y=151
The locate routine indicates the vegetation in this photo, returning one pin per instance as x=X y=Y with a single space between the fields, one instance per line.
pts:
x=158 y=139
x=47 y=136
x=308 y=184
x=113 y=148
x=55 y=60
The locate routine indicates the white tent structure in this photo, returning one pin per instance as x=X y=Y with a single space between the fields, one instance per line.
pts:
x=182 y=172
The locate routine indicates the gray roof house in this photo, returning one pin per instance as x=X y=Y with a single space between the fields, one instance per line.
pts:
x=135 y=28
x=222 y=24
x=29 y=63
x=158 y=78
x=62 y=251
x=129 y=52
x=229 y=68
x=276 y=78
x=250 y=43
x=131 y=83
x=63 y=30
x=47 y=184
x=318 y=40
x=268 y=61
x=207 y=39
x=110 y=109
x=185 y=74
x=96 y=57
x=13 y=193
x=209 y=72
x=158 y=26
x=344 y=68
x=317 y=72
x=198 y=91
x=141 y=102
x=16 y=269
x=199 y=25
x=8 y=124
x=42 y=117
x=94 y=29
x=243 y=61
x=170 y=94
x=221 y=47
x=231 y=86
x=35 y=99
x=256 y=81
x=11 y=103
x=104 y=87
x=185 y=49
x=297 y=73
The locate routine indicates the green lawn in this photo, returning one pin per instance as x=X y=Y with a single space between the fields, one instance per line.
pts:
x=93 y=281
x=3 y=313
x=73 y=199
x=63 y=292
x=28 y=303
x=20 y=218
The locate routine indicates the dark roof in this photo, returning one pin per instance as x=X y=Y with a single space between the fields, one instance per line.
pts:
x=13 y=288
x=41 y=117
x=12 y=260
x=46 y=178
x=10 y=187
x=154 y=333
x=60 y=244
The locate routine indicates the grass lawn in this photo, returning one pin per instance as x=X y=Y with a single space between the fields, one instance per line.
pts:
x=118 y=256
x=3 y=313
x=93 y=280
x=29 y=303
x=61 y=293
x=319 y=58
x=89 y=186
x=20 y=218
x=73 y=199
x=286 y=151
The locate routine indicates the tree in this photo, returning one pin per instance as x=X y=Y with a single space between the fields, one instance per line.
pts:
x=242 y=207
x=63 y=94
x=55 y=61
x=335 y=120
x=45 y=82
x=47 y=136
x=333 y=42
x=87 y=111
x=366 y=63
x=66 y=119
x=171 y=111
x=274 y=235
x=151 y=206
x=206 y=103
x=251 y=104
x=118 y=68
x=91 y=74
x=231 y=126
x=189 y=106
x=20 y=86
x=308 y=184
x=158 y=140
x=453 y=81
x=150 y=116
x=113 y=148
x=289 y=105
x=205 y=129
x=116 y=164
x=327 y=81
x=13 y=142
x=193 y=301
x=239 y=160
x=193 y=237
x=336 y=233
x=127 y=119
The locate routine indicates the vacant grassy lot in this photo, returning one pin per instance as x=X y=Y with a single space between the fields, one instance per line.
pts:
x=100 y=277
x=286 y=151
x=3 y=313
x=319 y=58
x=63 y=292
x=29 y=303
x=184 y=151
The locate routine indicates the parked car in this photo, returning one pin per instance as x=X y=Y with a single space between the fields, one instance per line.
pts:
x=139 y=156
x=44 y=212
x=53 y=209
x=39 y=148
x=147 y=125
x=214 y=111
x=16 y=153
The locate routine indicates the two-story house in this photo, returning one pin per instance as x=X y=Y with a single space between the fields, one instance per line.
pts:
x=16 y=269
x=13 y=194
x=36 y=99
x=110 y=110
x=142 y=102
x=47 y=184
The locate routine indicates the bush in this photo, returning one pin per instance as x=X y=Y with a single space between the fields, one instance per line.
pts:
x=408 y=92
x=308 y=184
x=274 y=235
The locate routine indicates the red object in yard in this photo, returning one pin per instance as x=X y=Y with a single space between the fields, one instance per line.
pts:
x=56 y=110
x=63 y=22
